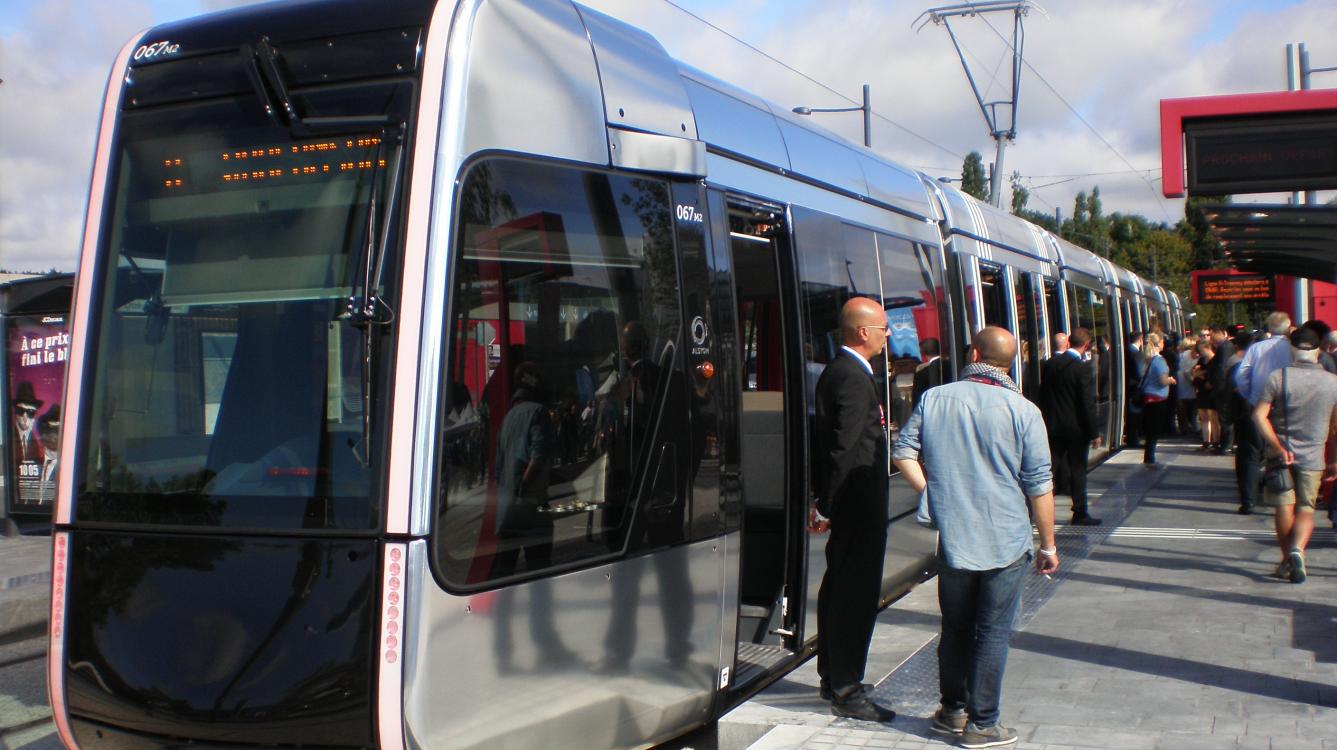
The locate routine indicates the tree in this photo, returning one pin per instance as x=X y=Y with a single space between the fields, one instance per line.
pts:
x=1019 y=194
x=972 y=176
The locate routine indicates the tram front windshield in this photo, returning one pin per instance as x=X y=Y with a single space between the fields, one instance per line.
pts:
x=229 y=385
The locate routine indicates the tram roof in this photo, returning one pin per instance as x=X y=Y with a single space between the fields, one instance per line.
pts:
x=1080 y=259
x=735 y=121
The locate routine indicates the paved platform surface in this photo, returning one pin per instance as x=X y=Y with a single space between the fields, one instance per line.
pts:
x=1164 y=630
x=25 y=577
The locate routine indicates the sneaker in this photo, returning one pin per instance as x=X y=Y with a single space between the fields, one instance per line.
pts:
x=949 y=722
x=1283 y=570
x=1297 y=560
x=994 y=736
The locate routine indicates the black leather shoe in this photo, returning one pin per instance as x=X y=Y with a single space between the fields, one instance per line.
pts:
x=1085 y=520
x=824 y=690
x=1245 y=510
x=858 y=706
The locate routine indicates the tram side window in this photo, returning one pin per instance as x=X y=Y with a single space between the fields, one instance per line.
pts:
x=836 y=262
x=993 y=297
x=563 y=369
x=912 y=295
x=1053 y=309
x=1090 y=311
x=1025 y=305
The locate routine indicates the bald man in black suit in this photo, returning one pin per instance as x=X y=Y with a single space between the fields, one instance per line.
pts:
x=850 y=481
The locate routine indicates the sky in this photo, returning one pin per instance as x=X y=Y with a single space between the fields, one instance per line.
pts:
x=1087 y=113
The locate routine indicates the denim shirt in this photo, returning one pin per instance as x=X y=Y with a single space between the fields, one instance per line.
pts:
x=985 y=450
x=1152 y=386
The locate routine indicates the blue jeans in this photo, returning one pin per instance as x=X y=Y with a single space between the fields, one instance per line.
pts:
x=978 y=610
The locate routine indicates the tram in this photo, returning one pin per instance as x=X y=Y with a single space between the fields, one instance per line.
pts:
x=442 y=377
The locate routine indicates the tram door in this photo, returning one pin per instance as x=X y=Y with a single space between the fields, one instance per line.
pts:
x=771 y=430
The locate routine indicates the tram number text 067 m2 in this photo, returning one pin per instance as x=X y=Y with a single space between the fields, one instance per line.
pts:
x=689 y=213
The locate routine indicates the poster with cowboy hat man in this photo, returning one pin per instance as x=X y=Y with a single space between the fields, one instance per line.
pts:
x=38 y=350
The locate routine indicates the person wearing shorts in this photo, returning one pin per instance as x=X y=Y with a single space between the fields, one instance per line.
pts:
x=1295 y=415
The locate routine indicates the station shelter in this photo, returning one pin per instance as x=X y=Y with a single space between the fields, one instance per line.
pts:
x=1261 y=143
x=34 y=326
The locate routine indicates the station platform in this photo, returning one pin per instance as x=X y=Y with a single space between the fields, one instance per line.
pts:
x=1163 y=630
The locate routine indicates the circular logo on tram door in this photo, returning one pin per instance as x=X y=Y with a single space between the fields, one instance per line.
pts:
x=699 y=331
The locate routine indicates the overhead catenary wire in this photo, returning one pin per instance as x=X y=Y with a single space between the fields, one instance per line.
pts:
x=1160 y=200
x=810 y=79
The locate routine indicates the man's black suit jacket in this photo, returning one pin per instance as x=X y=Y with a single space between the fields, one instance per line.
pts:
x=1068 y=399
x=851 y=443
x=1133 y=374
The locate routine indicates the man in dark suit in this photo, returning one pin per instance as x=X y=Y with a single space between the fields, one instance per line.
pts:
x=928 y=374
x=850 y=481
x=27 y=440
x=1133 y=366
x=1068 y=403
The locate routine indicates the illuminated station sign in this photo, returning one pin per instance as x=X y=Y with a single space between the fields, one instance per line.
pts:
x=1227 y=286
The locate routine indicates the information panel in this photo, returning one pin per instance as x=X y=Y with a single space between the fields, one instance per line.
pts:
x=1262 y=154
x=1236 y=287
x=38 y=350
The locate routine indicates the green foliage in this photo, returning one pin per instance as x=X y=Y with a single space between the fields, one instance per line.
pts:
x=1157 y=251
x=973 y=180
x=1019 y=194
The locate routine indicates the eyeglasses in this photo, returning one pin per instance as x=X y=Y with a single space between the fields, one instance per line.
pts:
x=26 y=411
x=880 y=328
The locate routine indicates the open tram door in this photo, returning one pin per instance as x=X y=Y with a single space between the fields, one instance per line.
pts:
x=770 y=502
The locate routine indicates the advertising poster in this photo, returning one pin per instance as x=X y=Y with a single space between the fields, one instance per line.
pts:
x=38 y=349
x=904 y=337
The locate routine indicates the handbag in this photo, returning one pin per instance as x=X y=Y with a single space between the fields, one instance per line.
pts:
x=1277 y=477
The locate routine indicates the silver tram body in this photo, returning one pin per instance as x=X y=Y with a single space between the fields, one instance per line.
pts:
x=627 y=637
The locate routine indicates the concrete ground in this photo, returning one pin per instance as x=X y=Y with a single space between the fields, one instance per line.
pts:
x=1164 y=630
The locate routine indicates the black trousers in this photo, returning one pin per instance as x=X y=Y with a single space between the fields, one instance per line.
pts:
x=1069 y=458
x=1248 y=461
x=847 y=601
x=1154 y=416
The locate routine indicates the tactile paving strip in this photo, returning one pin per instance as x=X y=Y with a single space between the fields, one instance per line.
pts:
x=912 y=688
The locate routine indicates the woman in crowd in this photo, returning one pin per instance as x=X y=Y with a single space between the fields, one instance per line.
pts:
x=1188 y=396
x=1155 y=387
x=1208 y=418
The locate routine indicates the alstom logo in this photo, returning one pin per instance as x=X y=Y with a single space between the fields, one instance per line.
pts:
x=156 y=49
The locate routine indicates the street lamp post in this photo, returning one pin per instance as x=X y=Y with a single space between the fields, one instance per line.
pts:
x=867 y=110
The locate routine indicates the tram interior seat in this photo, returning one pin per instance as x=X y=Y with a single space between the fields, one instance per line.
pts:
x=270 y=420
x=764 y=522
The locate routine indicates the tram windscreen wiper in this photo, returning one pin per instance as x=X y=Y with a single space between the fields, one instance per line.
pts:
x=262 y=67
x=366 y=309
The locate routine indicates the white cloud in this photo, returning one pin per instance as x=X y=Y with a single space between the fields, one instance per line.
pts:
x=1111 y=61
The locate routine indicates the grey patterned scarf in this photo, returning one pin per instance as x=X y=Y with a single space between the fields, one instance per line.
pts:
x=981 y=372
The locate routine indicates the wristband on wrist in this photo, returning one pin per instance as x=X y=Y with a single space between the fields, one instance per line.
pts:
x=1051 y=552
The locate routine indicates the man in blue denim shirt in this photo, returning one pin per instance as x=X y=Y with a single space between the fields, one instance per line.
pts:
x=985 y=458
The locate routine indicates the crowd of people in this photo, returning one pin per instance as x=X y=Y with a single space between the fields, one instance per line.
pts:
x=1269 y=397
